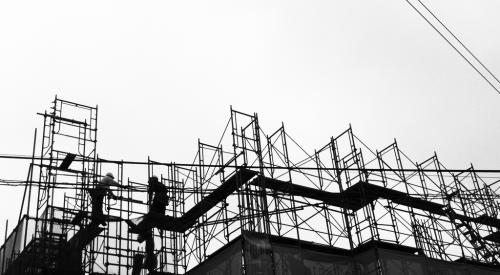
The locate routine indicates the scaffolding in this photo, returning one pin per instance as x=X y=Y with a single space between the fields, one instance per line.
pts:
x=343 y=196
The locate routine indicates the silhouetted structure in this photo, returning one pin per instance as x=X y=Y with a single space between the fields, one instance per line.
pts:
x=254 y=203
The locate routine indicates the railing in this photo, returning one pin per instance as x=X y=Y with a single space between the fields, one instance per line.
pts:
x=27 y=230
x=22 y=234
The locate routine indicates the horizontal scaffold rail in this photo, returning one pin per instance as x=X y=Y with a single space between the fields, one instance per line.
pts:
x=353 y=198
x=186 y=221
x=362 y=193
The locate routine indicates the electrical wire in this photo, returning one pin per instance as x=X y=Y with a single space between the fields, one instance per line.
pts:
x=453 y=46
x=292 y=167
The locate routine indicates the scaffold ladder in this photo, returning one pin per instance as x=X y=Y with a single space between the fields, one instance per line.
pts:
x=479 y=244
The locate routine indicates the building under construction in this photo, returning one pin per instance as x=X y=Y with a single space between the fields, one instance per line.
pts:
x=256 y=202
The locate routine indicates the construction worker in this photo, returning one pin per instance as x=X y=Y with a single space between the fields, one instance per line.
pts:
x=159 y=200
x=158 y=191
x=97 y=196
x=159 y=203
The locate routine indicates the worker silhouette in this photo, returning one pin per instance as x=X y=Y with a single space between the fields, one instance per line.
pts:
x=97 y=197
x=157 y=194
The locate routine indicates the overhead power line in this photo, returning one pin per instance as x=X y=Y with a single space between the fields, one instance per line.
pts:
x=492 y=79
x=292 y=167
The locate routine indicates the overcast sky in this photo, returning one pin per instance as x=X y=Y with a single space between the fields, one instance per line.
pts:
x=164 y=74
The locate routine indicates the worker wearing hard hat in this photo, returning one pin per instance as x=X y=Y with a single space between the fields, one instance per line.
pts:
x=98 y=193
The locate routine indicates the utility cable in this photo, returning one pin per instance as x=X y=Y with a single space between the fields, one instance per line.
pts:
x=453 y=46
x=291 y=167
x=458 y=40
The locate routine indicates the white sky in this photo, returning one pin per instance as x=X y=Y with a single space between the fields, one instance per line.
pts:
x=164 y=74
